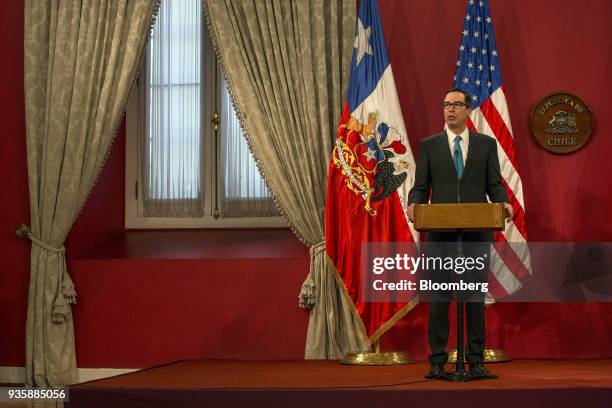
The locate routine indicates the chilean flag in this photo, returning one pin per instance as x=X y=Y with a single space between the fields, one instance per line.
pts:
x=370 y=173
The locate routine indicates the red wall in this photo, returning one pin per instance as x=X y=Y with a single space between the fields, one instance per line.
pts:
x=545 y=46
x=14 y=207
x=145 y=312
x=103 y=215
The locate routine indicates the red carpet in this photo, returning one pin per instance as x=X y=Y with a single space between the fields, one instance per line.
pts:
x=327 y=383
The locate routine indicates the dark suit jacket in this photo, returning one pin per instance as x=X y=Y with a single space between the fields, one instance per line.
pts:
x=435 y=169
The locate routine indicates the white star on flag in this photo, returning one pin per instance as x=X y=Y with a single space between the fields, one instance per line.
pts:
x=362 y=41
x=370 y=154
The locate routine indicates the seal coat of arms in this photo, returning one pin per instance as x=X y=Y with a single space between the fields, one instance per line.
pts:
x=561 y=123
x=370 y=156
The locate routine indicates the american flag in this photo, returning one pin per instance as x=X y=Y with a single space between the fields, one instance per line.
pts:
x=479 y=73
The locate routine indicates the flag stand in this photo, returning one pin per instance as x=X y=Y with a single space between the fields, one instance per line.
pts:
x=377 y=358
x=490 y=356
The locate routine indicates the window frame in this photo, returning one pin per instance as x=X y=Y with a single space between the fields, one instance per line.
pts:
x=136 y=120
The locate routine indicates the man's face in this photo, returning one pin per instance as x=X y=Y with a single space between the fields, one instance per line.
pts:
x=455 y=116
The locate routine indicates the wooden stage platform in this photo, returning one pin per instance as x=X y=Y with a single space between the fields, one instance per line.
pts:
x=223 y=383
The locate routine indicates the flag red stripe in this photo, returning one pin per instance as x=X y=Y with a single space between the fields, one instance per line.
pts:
x=471 y=126
x=519 y=212
x=496 y=290
x=510 y=258
x=502 y=134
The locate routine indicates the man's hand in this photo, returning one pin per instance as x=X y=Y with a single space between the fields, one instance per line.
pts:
x=411 y=212
x=509 y=211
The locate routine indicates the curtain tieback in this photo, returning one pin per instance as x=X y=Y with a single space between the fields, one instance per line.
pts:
x=308 y=295
x=65 y=294
x=316 y=249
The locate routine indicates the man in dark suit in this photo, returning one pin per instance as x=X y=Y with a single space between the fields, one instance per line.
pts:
x=459 y=166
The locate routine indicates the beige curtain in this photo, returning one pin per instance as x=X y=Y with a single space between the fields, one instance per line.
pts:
x=81 y=59
x=286 y=64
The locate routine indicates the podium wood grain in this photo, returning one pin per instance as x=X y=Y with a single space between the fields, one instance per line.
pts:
x=451 y=217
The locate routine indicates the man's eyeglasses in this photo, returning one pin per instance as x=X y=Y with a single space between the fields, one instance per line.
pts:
x=447 y=105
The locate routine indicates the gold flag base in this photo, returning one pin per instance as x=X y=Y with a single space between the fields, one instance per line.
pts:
x=377 y=358
x=490 y=356
x=373 y=358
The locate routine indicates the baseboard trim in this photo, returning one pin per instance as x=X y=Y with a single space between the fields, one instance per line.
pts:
x=16 y=375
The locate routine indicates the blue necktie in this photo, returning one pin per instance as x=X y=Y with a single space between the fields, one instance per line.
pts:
x=458 y=157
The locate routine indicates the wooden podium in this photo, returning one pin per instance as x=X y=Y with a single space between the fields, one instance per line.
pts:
x=459 y=218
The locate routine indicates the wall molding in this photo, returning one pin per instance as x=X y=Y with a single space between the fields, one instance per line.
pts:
x=16 y=375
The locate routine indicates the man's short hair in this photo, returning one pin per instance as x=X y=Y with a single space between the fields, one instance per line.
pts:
x=466 y=96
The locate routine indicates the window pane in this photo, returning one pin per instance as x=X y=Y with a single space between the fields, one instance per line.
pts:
x=172 y=151
x=244 y=191
x=244 y=179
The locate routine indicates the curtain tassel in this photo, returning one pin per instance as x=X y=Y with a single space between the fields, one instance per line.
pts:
x=308 y=294
x=65 y=293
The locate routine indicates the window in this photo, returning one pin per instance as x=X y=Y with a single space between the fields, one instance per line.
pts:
x=187 y=161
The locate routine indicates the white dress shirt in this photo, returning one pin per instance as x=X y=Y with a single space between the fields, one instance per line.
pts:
x=464 y=143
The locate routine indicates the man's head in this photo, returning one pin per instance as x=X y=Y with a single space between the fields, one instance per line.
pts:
x=457 y=108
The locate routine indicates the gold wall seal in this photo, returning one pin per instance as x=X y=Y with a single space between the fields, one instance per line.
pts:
x=561 y=123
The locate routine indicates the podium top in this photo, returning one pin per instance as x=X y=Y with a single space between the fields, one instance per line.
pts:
x=452 y=217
